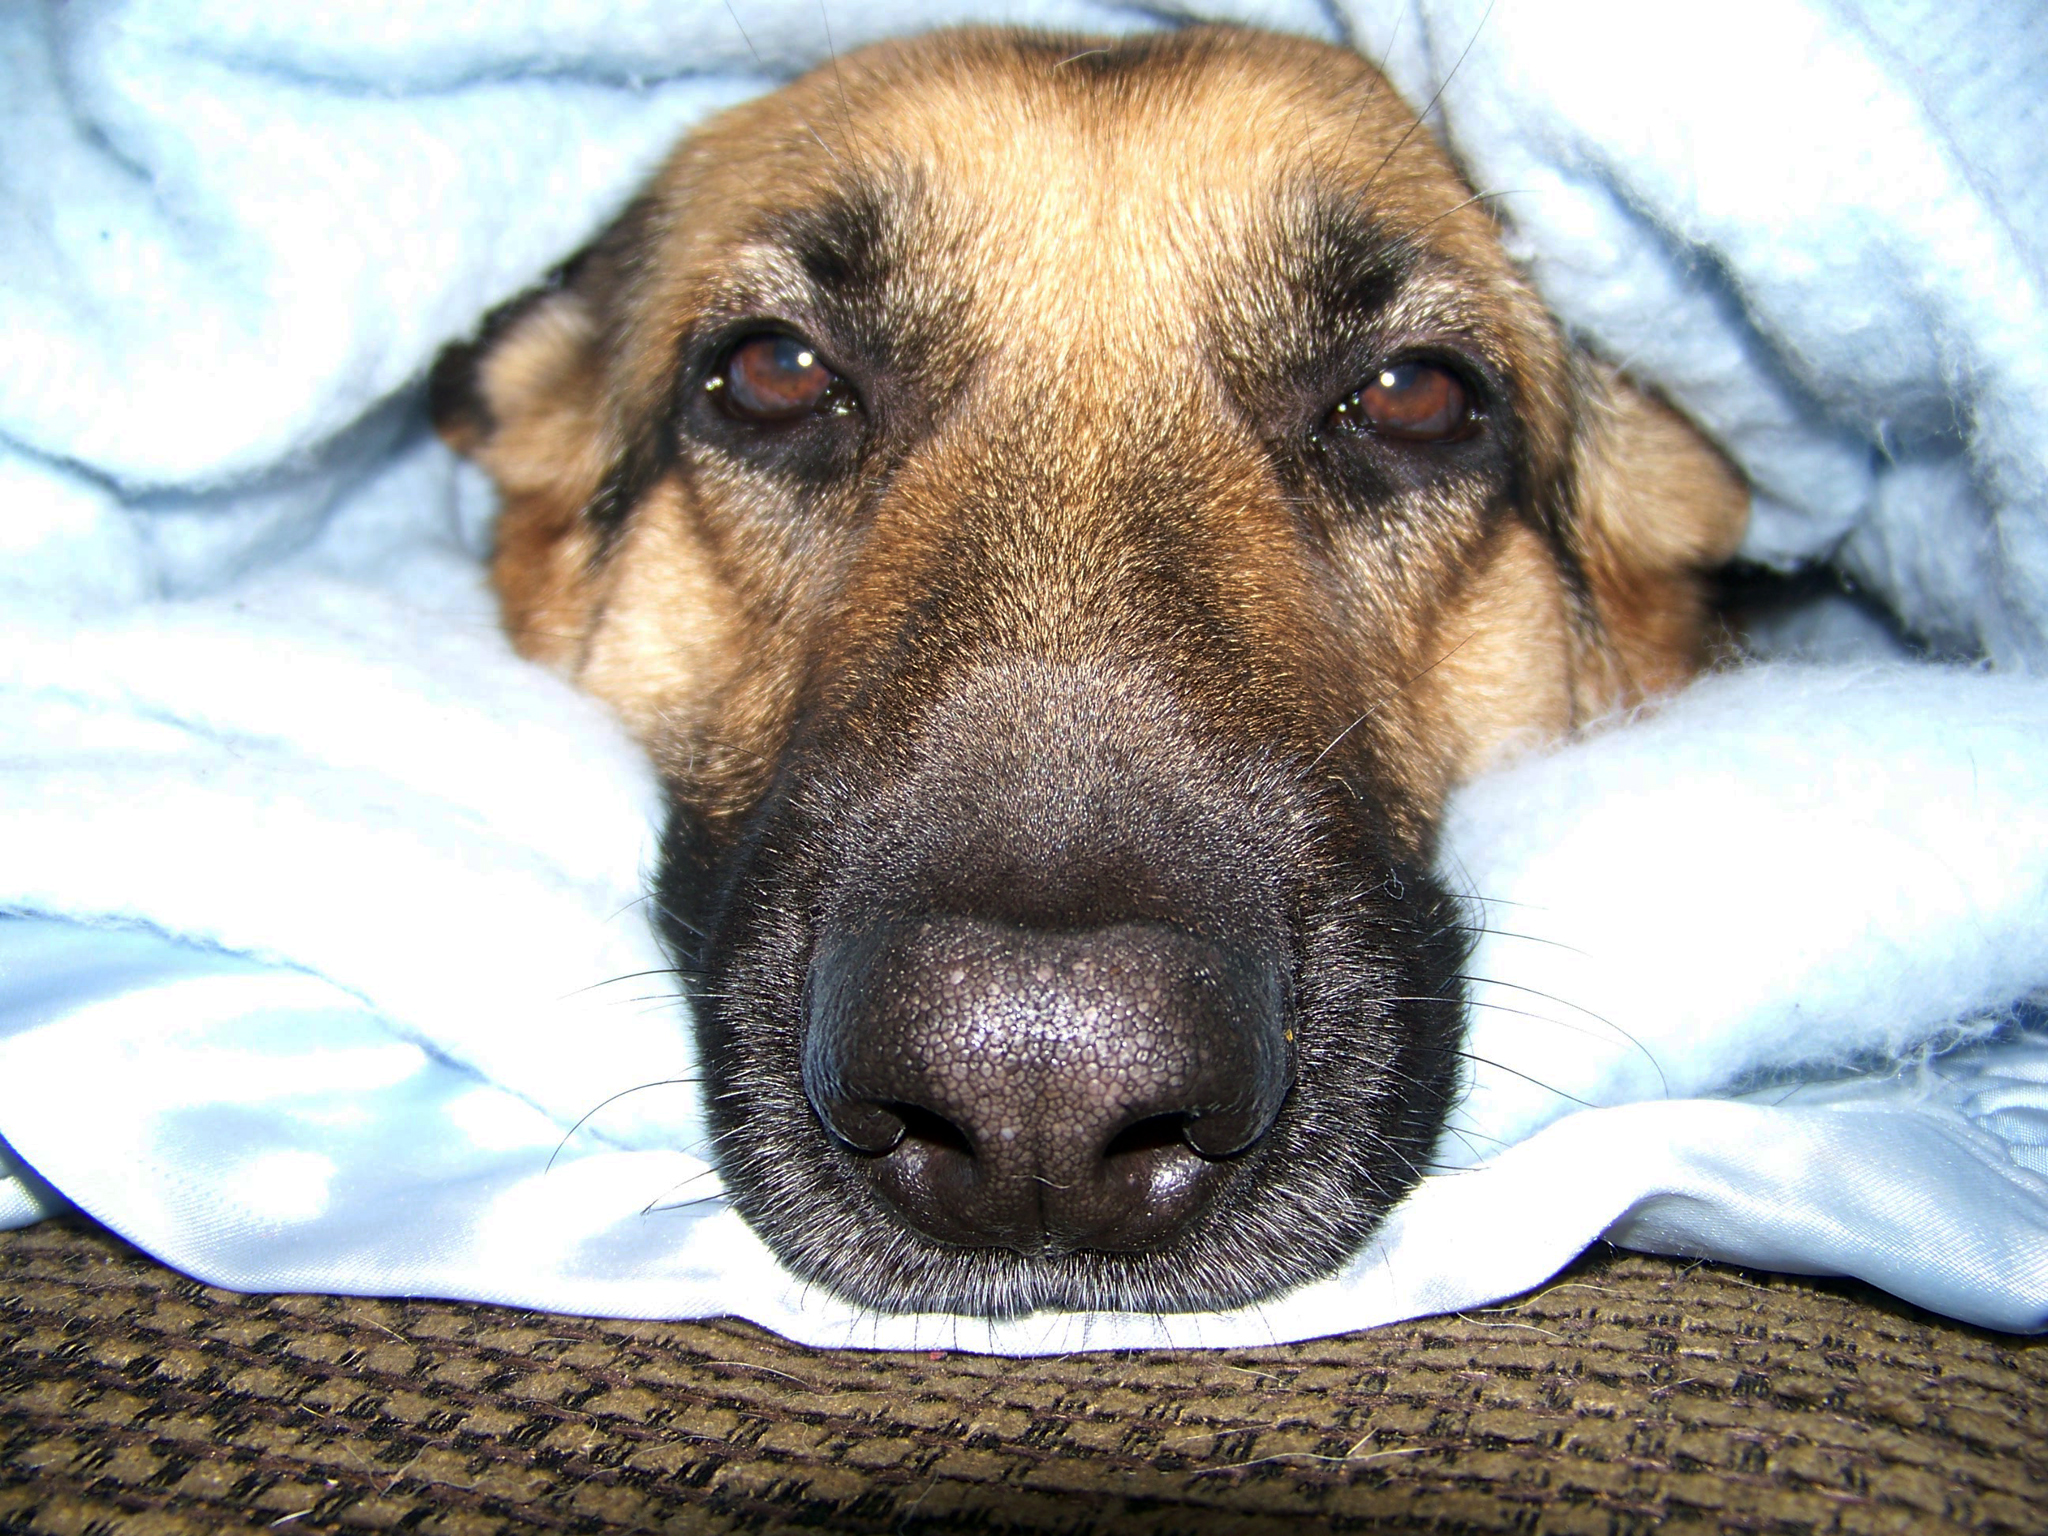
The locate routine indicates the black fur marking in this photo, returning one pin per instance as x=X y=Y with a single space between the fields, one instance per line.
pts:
x=686 y=891
x=1300 y=322
x=632 y=475
x=454 y=403
x=889 y=324
x=843 y=244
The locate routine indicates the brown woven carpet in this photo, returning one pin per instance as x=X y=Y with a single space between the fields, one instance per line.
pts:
x=1630 y=1392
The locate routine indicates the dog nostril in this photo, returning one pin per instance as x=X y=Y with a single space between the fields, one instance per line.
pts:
x=1155 y=1133
x=862 y=1125
x=1158 y=1173
x=875 y=1128
x=1229 y=1132
x=1153 y=1179
x=932 y=1131
x=1212 y=1136
x=922 y=1162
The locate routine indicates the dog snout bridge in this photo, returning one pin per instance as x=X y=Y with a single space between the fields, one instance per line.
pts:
x=1045 y=1091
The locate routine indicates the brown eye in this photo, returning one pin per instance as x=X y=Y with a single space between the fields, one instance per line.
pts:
x=777 y=379
x=1409 y=402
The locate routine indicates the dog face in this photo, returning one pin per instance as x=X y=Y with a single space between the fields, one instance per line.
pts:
x=1061 y=515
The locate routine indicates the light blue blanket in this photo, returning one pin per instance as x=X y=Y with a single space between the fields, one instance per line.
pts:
x=328 y=928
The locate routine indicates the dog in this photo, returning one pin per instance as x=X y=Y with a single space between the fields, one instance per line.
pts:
x=1062 y=514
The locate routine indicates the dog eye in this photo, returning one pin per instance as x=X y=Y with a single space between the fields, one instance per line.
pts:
x=1414 y=402
x=776 y=379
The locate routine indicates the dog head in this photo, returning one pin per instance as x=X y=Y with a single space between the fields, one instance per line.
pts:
x=1061 y=515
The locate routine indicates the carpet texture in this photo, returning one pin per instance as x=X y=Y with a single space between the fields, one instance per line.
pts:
x=1630 y=1392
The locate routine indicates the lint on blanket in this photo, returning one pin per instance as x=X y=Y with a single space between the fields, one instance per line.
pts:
x=318 y=898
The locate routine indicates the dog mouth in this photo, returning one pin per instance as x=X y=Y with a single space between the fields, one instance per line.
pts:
x=1151 y=1031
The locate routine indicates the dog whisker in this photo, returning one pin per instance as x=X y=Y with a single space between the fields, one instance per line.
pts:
x=1435 y=97
x=674 y=916
x=1476 y=197
x=1537 y=1082
x=1375 y=709
x=1504 y=901
x=683 y=1205
x=1509 y=933
x=1468 y=1135
x=1380 y=70
x=1437 y=1170
x=1354 y=725
x=613 y=981
x=802 y=121
x=645 y=898
x=569 y=1135
x=1512 y=986
x=838 y=79
x=655 y=1206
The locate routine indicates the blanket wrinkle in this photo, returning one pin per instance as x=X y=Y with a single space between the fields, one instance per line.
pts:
x=325 y=959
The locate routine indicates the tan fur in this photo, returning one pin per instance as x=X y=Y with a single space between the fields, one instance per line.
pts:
x=1076 y=236
x=544 y=450
x=1659 y=508
x=1505 y=681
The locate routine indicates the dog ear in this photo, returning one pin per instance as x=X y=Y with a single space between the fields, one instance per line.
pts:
x=525 y=401
x=1658 y=508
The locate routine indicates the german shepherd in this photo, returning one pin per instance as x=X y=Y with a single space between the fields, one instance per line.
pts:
x=1062 y=513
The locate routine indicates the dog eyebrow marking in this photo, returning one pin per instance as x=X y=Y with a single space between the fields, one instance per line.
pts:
x=1354 y=266
x=1290 y=315
x=878 y=265
x=842 y=242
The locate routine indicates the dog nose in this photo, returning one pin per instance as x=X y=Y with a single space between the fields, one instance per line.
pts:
x=1045 y=1091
